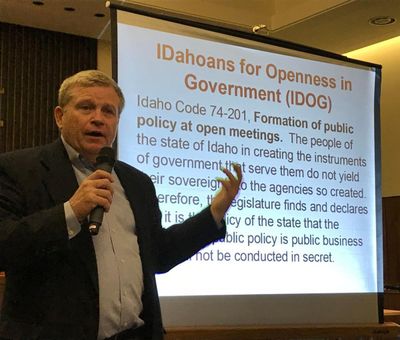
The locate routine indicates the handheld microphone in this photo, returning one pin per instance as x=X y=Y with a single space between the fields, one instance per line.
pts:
x=104 y=161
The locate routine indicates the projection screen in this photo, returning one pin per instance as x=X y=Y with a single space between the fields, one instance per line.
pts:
x=304 y=242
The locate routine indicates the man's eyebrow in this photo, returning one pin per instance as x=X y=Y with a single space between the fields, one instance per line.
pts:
x=85 y=101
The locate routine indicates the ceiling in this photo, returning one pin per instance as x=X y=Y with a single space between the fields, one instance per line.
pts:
x=335 y=25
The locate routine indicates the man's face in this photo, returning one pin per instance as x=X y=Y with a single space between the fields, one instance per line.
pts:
x=90 y=119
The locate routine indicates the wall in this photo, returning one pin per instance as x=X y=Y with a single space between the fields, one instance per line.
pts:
x=104 y=56
x=33 y=63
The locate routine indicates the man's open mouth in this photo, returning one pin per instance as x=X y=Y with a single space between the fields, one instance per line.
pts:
x=95 y=134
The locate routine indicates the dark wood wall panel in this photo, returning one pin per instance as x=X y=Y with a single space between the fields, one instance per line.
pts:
x=391 y=240
x=33 y=63
x=391 y=251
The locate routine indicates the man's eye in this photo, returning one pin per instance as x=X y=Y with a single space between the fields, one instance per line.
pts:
x=109 y=111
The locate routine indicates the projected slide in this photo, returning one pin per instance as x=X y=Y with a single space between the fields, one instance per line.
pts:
x=302 y=131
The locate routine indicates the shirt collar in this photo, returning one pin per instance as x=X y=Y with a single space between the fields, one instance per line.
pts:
x=77 y=159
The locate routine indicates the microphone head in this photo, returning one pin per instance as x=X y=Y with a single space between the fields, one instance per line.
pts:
x=106 y=155
x=104 y=161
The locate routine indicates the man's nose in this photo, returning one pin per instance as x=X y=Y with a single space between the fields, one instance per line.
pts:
x=97 y=116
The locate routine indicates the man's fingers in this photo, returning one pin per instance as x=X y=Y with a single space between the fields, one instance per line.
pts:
x=103 y=198
x=95 y=190
x=99 y=174
x=231 y=180
x=104 y=184
x=238 y=170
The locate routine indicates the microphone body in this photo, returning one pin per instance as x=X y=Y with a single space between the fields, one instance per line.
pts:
x=104 y=161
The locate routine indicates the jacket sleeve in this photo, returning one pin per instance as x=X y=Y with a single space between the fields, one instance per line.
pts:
x=179 y=242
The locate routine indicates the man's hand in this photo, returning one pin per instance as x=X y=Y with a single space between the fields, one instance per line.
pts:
x=224 y=197
x=93 y=191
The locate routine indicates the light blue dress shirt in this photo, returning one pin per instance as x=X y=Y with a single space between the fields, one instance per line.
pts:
x=117 y=255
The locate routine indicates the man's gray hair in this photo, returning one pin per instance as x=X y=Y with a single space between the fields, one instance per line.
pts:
x=88 y=78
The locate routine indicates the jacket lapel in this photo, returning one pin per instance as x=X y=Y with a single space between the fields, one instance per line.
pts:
x=58 y=175
x=60 y=180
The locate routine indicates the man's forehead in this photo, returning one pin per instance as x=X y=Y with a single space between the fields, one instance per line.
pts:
x=94 y=92
x=92 y=89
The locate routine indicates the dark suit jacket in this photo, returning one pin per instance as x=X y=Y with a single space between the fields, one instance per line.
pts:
x=51 y=281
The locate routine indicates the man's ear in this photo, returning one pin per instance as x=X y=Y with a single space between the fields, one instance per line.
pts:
x=58 y=116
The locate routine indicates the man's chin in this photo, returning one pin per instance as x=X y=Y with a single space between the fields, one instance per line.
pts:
x=92 y=151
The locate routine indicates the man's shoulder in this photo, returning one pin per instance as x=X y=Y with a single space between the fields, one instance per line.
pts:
x=26 y=157
x=21 y=155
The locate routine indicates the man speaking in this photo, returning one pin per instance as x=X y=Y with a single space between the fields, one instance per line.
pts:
x=63 y=281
